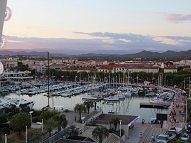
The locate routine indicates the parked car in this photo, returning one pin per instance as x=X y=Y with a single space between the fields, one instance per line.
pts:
x=162 y=138
x=188 y=130
x=173 y=133
x=184 y=137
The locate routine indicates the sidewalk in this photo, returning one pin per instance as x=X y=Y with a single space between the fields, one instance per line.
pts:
x=175 y=118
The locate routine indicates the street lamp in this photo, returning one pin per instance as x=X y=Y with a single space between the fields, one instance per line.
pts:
x=5 y=138
x=26 y=134
x=120 y=129
x=137 y=78
x=189 y=87
x=31 y=116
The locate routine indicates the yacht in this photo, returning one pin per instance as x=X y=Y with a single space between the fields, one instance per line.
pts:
x=18 y=102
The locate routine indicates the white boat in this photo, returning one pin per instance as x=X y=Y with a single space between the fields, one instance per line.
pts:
x=92 y=97
x=157 y=101
x=150 y=94
x=5 y=102
x=66 y=94
x=18 y=102
x=89 y=97
x=127 y=93
x=111 y=99
x=121 y=96
x=160 y=101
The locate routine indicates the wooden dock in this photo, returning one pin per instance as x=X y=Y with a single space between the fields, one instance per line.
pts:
x=155 y=105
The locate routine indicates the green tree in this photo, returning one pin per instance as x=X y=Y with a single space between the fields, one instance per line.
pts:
x=3 y=119
x=34 y=135
x=19 y=122
x=13 y=110
x=73 y=131
x=22 y=67
x=115 y=122
x=61 y=120
x=24 y=108
x=100 y=132
x=48 y=114
x=88 y=104
x=50 y=125
x=80 y=108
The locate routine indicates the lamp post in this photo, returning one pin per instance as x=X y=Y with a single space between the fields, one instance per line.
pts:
x=189 y=88
x=5 y=138
x=120 y=129
x=48 y=81
x=42 y=124
x=26 y=134
x=31 y=116
x=137 y=78
x=186 y=110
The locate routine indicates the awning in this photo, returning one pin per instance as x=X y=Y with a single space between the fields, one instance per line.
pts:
x=132 y=122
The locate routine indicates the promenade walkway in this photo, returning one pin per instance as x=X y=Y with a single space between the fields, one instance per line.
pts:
x=174 y=119
x=176 y=115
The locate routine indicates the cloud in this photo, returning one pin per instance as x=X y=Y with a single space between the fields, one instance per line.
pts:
x=118 y=43
x=176 y=18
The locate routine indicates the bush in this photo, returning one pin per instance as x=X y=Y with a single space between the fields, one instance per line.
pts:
x=36 y=119
x=117 y=132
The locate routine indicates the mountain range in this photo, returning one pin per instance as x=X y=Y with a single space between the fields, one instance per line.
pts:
x=143 y=55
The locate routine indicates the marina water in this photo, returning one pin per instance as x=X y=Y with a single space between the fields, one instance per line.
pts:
x=130 y=106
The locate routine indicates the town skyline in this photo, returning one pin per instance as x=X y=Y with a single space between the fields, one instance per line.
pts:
x=81 y=27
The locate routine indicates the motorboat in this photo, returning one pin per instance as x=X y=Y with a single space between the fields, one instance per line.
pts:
x=18 y=102
x=150 y=94
x=156 y=100
x=111 y=99
x=92 y=97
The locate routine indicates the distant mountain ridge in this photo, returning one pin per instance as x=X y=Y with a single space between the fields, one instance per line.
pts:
x=142 y=54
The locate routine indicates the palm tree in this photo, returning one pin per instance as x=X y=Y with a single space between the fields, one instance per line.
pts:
x=50 y=125
x=115 y=122
x=62 y=121
x=100 y=132
x=88 y=104
x=80 y=108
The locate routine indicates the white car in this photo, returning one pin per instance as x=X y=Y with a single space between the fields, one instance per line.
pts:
x=162 y=138
x=184 y=137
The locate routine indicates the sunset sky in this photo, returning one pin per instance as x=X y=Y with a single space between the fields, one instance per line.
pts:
x=99 y=26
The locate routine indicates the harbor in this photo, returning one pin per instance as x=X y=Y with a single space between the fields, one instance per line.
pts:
x=125 y=101
x=116 y=101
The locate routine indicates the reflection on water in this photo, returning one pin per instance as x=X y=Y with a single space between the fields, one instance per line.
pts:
x=130 y=106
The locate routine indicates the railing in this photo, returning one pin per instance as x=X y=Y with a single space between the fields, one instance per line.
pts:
x=57 y=136
x=94 y=114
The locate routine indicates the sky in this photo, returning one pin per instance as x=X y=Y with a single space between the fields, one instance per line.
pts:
x=98 y=26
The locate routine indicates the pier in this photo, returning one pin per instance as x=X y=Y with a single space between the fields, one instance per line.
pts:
x=155 y=105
